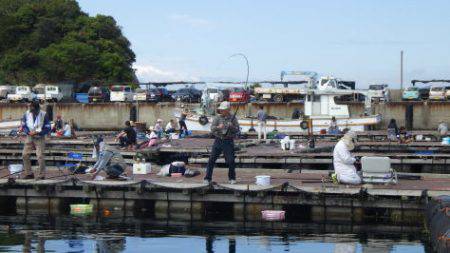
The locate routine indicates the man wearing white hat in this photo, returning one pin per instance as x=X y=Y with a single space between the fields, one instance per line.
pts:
x=224 y=128
x=344 y=161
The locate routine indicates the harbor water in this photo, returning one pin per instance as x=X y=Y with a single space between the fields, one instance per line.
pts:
x=74 y=234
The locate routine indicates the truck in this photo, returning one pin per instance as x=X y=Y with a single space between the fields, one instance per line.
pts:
x=49 y=93
x=378 y=92
x=5 y=90
x=121 y=93
x=22 y=94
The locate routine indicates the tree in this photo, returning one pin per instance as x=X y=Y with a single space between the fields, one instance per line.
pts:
x=53 y=41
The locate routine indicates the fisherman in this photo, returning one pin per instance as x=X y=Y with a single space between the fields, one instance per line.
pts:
x=171 y=126
x=110 y=160
x=404 y=137
x=344 y=161
x=158 y=128
x=443 y=129
x=392 y=130
x=262 y=120
x=58 y=125
x=182 y=123
x=333 y=128
x=225 y=129
x=127 y=138
x=36 y=125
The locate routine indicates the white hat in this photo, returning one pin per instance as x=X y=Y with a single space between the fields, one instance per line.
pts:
x=225 y=105
x=159 y=120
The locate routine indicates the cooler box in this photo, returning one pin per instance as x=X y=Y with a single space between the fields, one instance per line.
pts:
x=142 y=168
x=377 y=170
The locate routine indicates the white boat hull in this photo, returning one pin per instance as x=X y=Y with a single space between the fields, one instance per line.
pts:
x=290 y=125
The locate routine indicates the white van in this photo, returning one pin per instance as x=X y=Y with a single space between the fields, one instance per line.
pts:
x=121 y=93
x=49 y=93
x=5 y=90
x=437 y=93
x=379 y=92
x=22 y=93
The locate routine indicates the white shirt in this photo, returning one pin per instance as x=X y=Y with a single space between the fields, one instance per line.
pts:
x=343 y=160
x=67 y=130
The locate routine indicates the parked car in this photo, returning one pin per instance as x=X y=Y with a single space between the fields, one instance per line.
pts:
x=438 y=92
x=159 y=94
x=416 y=93
x=49 y=93
x=187 y=95
x=121 y=93
x=379 y=92
x=5 y=90
x=213 y=94
x=239 y=95
x=21 y=94
x=447 y=93
x=98 y=94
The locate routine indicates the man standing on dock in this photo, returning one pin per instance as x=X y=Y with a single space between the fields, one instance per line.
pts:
x=262 y=118
x=224 y=128
x=36 y=125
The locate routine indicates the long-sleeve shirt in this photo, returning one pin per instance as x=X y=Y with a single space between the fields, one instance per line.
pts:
x=343 y=160
x=261 y=116
x=230 y=129
x=40 y=123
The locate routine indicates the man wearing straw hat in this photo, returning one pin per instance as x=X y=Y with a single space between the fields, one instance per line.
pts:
x=344 y=161
x=224 y=128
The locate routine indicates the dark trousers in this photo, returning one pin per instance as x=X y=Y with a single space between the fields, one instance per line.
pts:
x=125 y=142
x=219 y=146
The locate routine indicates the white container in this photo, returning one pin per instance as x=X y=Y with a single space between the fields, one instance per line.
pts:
x=263 y=180
x=15 y=169
x=142 y=168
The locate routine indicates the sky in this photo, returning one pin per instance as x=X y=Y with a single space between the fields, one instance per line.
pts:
x=356 y=40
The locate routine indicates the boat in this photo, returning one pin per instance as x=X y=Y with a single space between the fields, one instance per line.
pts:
x=320 y=106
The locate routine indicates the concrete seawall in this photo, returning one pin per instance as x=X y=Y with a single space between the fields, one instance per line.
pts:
x=113 y=115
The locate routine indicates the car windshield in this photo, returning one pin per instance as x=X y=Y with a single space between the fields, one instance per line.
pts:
x=213 y=90
x=412 y=89
x=376 y=87
x=118 y=88
x=237 y=90
x=95 y=90
x=437 y=89
x=140 y=90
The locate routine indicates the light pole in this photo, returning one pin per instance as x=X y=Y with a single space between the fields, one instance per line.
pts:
x=248 y=66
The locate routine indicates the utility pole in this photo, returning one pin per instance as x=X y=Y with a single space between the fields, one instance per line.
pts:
x=401 y=70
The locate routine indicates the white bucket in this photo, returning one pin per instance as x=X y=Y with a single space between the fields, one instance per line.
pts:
x=15 y=169
x=263 y=180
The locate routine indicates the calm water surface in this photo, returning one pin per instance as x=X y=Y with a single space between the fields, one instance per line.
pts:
x=68 y=234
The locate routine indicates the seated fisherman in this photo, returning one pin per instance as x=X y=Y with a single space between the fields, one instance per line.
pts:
x=404 y=137
x=111 y=161
x=344 y=161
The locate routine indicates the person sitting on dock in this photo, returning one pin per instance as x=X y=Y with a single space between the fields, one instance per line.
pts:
x=443 y=129
x=392 y=130
x=58 y=124
x=344 y=161
x=111 y=161
x=36 y=125
x=225 y=129
x=127 y=138
x=171 y=126
x=158 y=128
x=333 y=128
x=262 y=119
x=404 y=137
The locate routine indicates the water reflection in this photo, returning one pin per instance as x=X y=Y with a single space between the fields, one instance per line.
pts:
x=78 y=235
